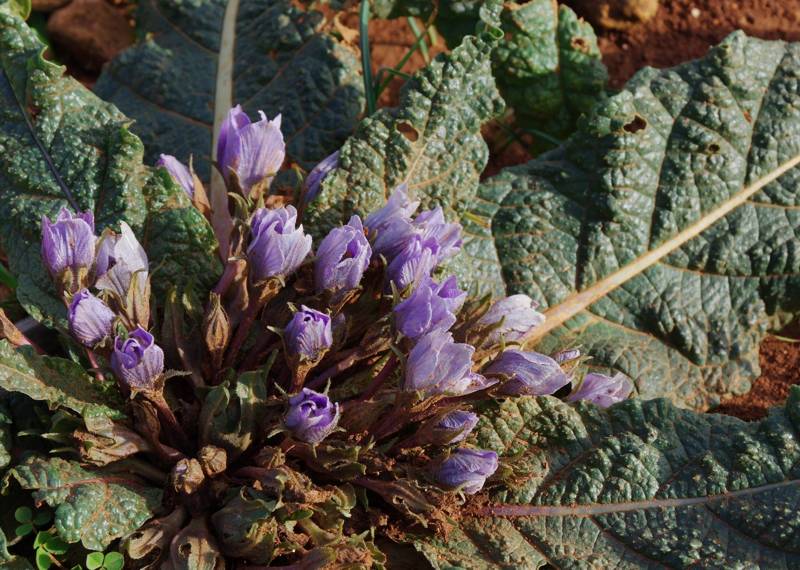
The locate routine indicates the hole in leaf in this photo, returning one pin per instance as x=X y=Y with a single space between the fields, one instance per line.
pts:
x=408 y=131
x=185 y=549
x=713 y=148
x=637 y=124
x=580 y=44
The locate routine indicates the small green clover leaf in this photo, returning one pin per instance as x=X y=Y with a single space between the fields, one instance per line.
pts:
x=30 y=521
x=48 y=547
x=100 y=561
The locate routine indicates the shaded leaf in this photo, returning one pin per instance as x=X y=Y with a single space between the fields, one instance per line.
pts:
x=431 y=141
x=668 y=193
x=57 y=381
x=640 y=485
x=197 y=59
x=61 y=146
x=91 y=506
x=5 y=437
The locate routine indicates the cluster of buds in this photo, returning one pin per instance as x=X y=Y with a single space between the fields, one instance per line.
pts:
x=373 y=315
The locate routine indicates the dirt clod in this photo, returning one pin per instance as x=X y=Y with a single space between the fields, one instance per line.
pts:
x=47 y=5
x=90 y=31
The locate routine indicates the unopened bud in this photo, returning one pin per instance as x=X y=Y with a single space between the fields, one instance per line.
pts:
x=213 y=460
x=186 y=477
x=216 y=330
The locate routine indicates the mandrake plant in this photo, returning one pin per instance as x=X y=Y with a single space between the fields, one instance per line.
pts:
x=334 y=345
x=324 y=401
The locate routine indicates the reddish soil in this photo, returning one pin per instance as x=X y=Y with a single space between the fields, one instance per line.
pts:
x=684 y=29
x=780 y=368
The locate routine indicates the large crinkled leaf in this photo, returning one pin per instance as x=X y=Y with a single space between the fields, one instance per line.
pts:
x=662 y=237
x=547 y=66
x=91 y=506
x=62 y=146
x=57 y=381
x=639 y=485
x=431 y=141
x=197 y=59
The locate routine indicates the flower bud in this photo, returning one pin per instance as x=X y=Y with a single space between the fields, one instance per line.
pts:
x=186 y=477
x=312 y=416
x=602 y=390
x=252 y=153
x=308 y=335
x=90 y=319
x=413 y=264
x=511 y=318
x=458 y=424
x=432 y=225
x=317 y=176
x=213 y=460
x=68 y=244
x=119 y=258
x=429 y=307
x=137 y=361
x=342 y=258
x=528 y=373
x=437 y=365
x=399 y=206
x=179 y=172
x=216 y=330
x=277 y=248
x=467 y=469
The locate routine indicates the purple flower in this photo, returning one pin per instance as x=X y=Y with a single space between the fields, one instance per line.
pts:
x=602 y=390
x=528 y=373
x=68 y=243
x=413 y=264
x=473 y=382
x=513 y=318
x=119 y=258
x=308 y=335
x=315 y=178
x=312 y=416
x=137 y=361
x=429 y=307
x=437 y=365
x=432 y=225
x=458 y=422
x=178 y=171
x=467 y=469
x=399 y=206
x=90 y=319
x=276 y=247
x=342 y=258
x=252 y=151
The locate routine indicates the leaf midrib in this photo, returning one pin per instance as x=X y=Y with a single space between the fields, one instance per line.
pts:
x=511 y=511
x=574 y=304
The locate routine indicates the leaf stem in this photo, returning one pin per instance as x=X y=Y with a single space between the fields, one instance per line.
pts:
x=366 y=59
x=418 y=33
x=400 y=64
x=7 y=278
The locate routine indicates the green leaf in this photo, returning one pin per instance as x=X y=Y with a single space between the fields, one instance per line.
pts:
x=91 y=506
x=61 y=146
x=94 y=560
x=57 y=381
x=43 y=559
x=24 y=529
x=198 y=59
x=113 y=561
x=23 y=515
x=660 y=238
x=431 y=141
x=642 y=484
x=5 y=437
x=547 y=64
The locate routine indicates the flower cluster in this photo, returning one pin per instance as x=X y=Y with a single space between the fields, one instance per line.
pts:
x=362 y=355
